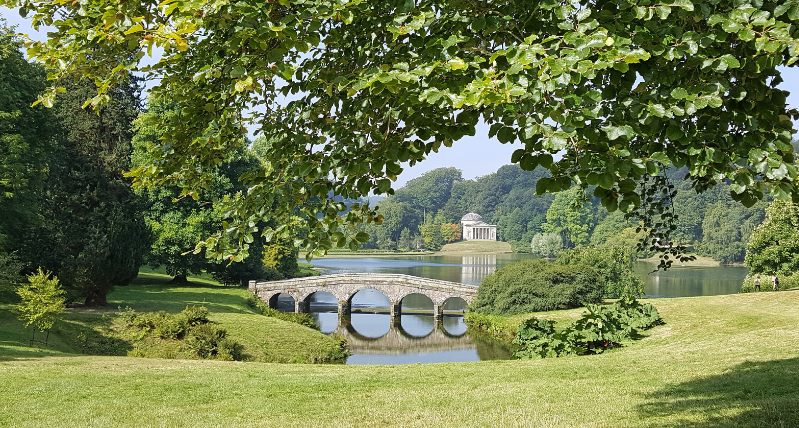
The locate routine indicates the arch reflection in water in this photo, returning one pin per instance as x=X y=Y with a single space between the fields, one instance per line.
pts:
x=454 y=306
x=368 y=326
x=282 y=302
x=369 y=300
x=416 y=303
x=417 y=326
x=323 y=307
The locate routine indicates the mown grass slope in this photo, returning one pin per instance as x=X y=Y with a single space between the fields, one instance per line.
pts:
x=89 y=330
x=477 y=247
x=718 y=361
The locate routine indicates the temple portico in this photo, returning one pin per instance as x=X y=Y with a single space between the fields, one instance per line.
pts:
x=474 y=229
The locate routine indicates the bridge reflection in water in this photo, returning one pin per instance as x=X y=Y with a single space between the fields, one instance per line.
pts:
x=375 y=337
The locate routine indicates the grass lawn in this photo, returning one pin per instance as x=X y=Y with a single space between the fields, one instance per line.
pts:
x=265 y=339
x=477 y=247
x=720 y=361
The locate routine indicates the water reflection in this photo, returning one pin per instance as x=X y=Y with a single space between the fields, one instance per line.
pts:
x=410 y=338
x=685 y=281
x=477 y=267
x=444 y=267
x=678 y=281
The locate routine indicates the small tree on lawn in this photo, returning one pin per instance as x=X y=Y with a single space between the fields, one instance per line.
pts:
x=41 y=300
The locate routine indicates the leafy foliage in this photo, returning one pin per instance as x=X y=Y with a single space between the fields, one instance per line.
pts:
x=726 y=228
x=597 y=330
x=282 y=257
x=538 y=339
x=786 y=282
x=91 y=233
x=571 y=217
x=41 y=300
x=537 y=285
x=620 y=89
x=773 y=247
x=614 y=264
x=26 y=141
x=205 y=339
x=546 y=244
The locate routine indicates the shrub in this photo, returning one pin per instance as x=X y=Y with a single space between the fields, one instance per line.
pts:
x=614 y=264
x=169 y=326
x=787 y=282
x=539 y=339
x=41 y=301
x=204 y=339
x=229 y=350
x=537 y=285
x=639 y=316
x=599 y=329
x=492 y=324
x=195 y=315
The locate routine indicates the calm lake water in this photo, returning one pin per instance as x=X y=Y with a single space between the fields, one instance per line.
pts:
x=416 y=337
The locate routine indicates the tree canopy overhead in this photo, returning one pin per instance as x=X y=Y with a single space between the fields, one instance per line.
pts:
x=617 y=88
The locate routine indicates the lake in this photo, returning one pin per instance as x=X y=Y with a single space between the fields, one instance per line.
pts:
x=416 y=337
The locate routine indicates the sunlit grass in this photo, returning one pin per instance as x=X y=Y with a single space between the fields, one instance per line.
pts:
x=264 y=338
x=718 y=361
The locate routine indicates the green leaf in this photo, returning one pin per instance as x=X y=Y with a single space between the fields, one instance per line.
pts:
x=506 y=135
x=730 y=61
x=606 y=180
x=679 y=93
x=624 y=132
x=660 y=157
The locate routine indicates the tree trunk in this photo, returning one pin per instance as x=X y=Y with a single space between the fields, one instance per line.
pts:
x=97 y=298
x=179 y=279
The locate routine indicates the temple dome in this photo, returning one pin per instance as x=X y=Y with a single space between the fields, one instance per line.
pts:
x=472 y=217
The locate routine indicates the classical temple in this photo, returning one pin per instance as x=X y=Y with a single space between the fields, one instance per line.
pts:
x=475 y=229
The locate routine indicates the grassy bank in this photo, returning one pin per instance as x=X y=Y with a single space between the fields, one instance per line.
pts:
x=370 y=253
x=477 y=247
x=719 y=361
x=92 y=331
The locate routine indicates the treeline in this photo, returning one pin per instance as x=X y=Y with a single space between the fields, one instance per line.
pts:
x=67 y=207
x=710 y=221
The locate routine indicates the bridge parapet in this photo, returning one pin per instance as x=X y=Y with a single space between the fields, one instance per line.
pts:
x=344 y=285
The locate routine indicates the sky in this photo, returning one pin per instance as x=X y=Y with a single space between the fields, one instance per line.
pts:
x=474 y=156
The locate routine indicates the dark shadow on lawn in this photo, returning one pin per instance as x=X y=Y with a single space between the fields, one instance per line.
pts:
x=761 y=394
x=14 y=351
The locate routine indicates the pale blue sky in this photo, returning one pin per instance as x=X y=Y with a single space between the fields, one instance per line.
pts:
x=475 y=156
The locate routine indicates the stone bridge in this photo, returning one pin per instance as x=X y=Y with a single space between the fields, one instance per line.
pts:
x=343 y=287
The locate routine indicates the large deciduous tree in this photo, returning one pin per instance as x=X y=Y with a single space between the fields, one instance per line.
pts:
x=619 y=89
x=26 y=140
x=773 y=247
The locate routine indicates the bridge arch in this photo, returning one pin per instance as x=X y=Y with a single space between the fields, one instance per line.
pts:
x=404 y=304
x=345 y=286
x=454 y=301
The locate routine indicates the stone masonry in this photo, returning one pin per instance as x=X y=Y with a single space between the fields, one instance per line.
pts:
x=344 y=285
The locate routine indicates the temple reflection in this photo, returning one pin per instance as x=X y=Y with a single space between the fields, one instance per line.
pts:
x=475 y=268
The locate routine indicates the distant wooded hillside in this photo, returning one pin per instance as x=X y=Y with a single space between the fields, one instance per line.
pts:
x=421 y=215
